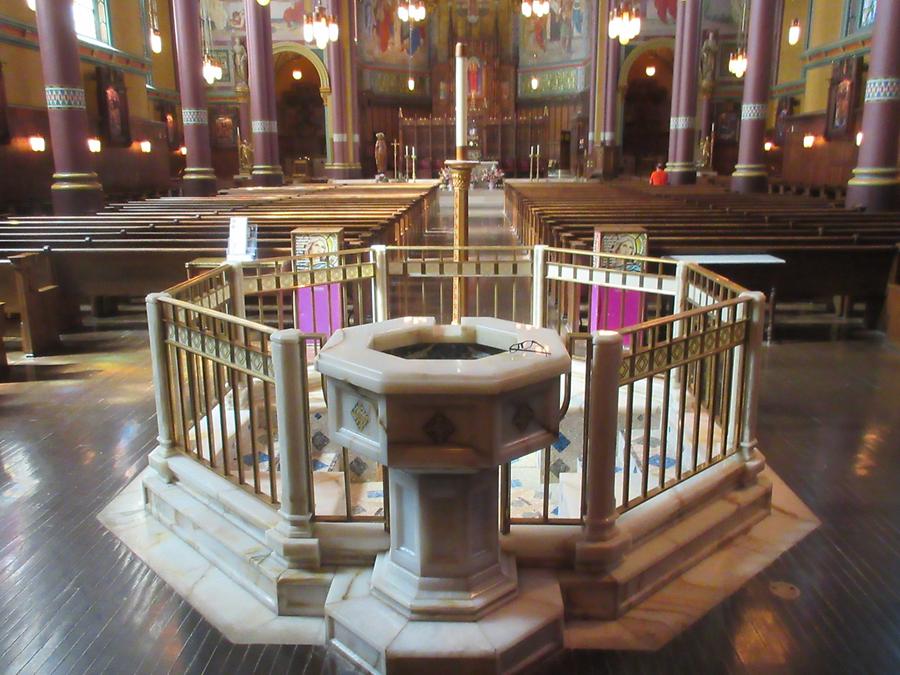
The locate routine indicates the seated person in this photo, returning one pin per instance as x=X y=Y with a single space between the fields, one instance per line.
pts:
x=659 y=177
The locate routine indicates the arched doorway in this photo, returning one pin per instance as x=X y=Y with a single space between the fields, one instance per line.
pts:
x=646 y=100
x=301 y=102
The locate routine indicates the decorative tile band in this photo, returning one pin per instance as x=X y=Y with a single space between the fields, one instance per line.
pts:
x=264 y=127
x=753 y=111
x=194 y=116
x=883 y=89
x=683 y=122
x=607 y=136
x=339 y=138
x=65 y=98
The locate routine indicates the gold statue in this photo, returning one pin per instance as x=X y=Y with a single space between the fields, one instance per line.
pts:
x=705 y=151
x=245 y=157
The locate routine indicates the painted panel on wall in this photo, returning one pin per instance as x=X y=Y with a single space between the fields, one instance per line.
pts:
x=385 y=40
x=562 y=36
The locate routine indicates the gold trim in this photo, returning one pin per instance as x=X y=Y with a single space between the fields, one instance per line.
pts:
x=874 y=182
x=74 y=175
x=876 y=170
x=749 y=171
x=77 y=186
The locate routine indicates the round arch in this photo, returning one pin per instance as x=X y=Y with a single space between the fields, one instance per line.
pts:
x=639 y=49
x=324 y=84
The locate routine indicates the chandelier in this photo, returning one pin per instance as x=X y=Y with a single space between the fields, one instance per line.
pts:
x=537 y=8
x=320 y=27
x=411 y=11
x=155 y=34
x=737 y=60
x=211 y=69
x=624 y=23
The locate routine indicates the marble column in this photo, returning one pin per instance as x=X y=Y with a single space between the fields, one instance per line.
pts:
x=610 y=104
x=676 y=79
x=199 y=177
x=339 y=71
x=875 y=185
x=263 y=112
x=76 y=188
x=592 y=101
x=683 y=171
x=750 y=172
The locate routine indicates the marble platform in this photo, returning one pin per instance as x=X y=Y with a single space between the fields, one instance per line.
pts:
x=244 y=619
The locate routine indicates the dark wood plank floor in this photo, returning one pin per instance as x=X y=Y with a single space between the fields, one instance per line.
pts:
x=75 y=429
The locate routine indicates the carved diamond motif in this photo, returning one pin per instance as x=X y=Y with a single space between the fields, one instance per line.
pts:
x=439 y=428
x=523 y=417
x=360 y=413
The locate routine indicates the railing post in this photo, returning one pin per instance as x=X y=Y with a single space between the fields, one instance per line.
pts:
x=236 y=289
x=604 y=543
x=539 y=286
x=378 y=256
x=162 y=390
x=293 y=538
x=754 y=461
x=681 y=288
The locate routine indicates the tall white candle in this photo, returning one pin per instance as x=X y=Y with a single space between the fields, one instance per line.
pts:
x=461 y=96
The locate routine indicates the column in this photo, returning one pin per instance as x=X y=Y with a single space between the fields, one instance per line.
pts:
x=199 y=177
x=676 y=78
x=165 y=440
x=610 y=105
x=592 y=101
x=338 y=57
x=76 y=188
x=264 y=124
x=875 y=185
x=750 y=172
x=683 y=171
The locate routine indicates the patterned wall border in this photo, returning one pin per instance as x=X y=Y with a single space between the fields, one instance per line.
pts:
x=682 y=122
x=221 y=350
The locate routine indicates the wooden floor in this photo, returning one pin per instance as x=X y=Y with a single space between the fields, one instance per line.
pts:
x=75 y=429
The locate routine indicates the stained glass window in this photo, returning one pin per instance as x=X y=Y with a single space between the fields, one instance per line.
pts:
x=91 y=19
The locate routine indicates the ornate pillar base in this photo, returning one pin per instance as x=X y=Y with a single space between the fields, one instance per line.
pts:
x=875 y=189
x=682 y=173
x=609 y=161
x=198 y=182
x=339 y=171
x=76 y=194
x=749 y=179
x=267 y=175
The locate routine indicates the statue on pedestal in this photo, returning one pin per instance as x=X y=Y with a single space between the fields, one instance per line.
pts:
x=239 y=55
x=380 y=154
x=245 y=157
x=708 y=59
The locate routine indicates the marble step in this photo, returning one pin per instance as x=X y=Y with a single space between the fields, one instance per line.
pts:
x=231 y=537
x=666 y=554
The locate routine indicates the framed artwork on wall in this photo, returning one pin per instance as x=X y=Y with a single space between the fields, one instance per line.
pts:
x=167 y=113
x=843 y=95
x=4 y=121
x=224 y=126
x=112 y=104
x=783 y=112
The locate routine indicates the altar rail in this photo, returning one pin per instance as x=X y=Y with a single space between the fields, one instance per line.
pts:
x=236 y=393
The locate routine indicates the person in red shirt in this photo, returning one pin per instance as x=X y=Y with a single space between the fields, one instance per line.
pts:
x=659 y=177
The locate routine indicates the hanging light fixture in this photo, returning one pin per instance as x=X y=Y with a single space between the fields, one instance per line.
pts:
x=794 y=32
x=534 y=83
x=624 y=23
x=650 y=70
x=411 y=83
x=411 y=11
x=737 y=60
x=262 y=3
x=31 y=4
x=536 y=8
x=297 y=74
x=155 y=34
x=211 y=68
x=320 y=28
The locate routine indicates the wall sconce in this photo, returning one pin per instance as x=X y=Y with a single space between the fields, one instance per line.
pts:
x=155 y=42
x=297 y=74
x=768 y=146
x=650 y=70
x=31 y=4
x=182 y=151
x=794 y=32
x=37 y=143
x=534 y=83
x=146 y=146
x=94 y=145
x=859 y=138
x=808 y=141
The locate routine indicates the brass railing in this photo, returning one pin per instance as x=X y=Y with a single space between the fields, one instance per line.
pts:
x=683 y=398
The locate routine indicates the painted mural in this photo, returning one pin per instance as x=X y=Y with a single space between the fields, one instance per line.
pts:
x=384 y=40
x=287 y=17
x=659 y=16
x=562 y=36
